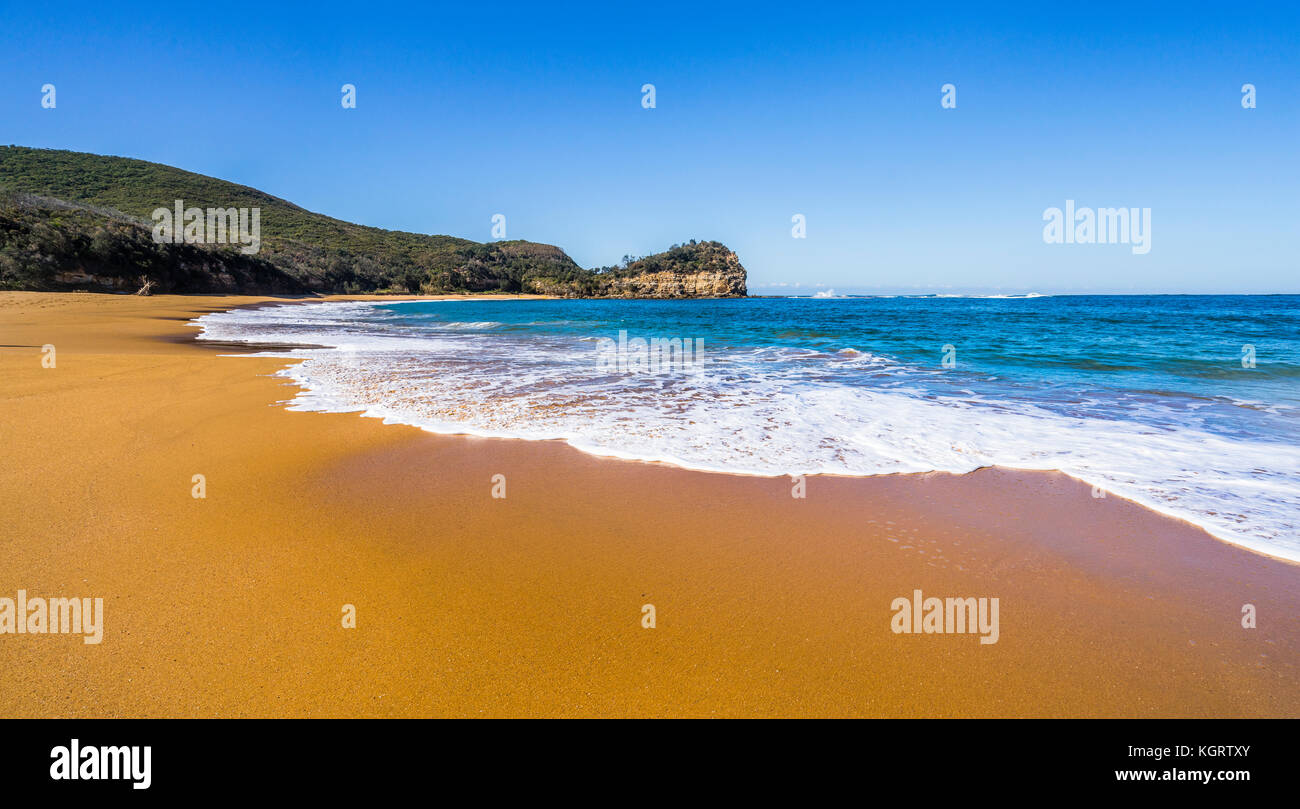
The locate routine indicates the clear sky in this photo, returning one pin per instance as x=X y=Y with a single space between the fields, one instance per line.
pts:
x=468 y=110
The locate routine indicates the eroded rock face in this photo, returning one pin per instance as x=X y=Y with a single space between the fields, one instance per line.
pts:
x=704 y=270
x=729 y=284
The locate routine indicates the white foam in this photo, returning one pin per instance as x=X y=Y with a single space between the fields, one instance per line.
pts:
x=766 y=412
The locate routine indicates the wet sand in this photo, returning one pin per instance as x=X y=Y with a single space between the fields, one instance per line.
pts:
x=531 y=605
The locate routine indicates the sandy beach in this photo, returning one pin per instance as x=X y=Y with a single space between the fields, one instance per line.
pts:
x=531 y=605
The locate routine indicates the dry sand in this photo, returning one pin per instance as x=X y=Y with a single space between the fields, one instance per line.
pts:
x=766 y=605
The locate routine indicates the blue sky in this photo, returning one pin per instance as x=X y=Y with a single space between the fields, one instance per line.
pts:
x=762 y=112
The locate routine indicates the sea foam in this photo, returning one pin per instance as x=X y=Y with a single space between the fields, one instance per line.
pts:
x=769 y=410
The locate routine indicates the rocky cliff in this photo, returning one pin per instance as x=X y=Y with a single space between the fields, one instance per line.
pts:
x=695 y=270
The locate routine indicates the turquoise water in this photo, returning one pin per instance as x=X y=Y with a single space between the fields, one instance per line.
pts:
x=1189 y=404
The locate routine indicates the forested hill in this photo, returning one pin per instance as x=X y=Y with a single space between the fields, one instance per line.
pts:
x=71 y=220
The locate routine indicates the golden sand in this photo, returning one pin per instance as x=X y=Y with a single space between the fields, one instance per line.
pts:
x=766 y=605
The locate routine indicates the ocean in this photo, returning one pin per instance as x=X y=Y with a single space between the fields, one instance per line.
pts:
x=1187 y=404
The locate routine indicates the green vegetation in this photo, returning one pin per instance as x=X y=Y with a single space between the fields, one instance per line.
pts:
x=691 y=257
x=318 y=253
x=51 y=245
x=71 y=220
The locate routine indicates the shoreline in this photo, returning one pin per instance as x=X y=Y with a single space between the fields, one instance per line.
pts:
x=1238 y=541
x=530 y=605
